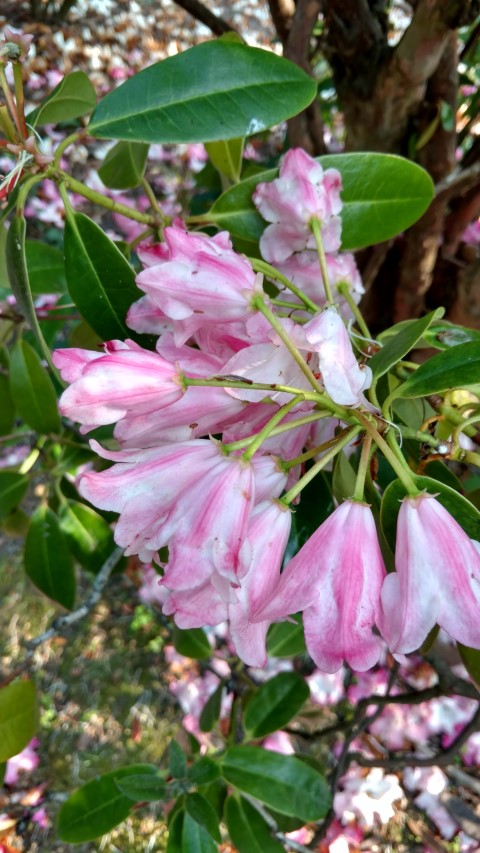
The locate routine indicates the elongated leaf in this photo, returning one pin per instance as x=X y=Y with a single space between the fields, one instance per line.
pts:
x=216 y=90
x=124 y=165
x=285 y=639
x=32 y=390
x=48 y=563
x=444 y=335
x=203 y=813
x=98 y=806
x=177 y=760
x=7 y=408
x=247 y=828
x=195 y=839
x=344 y=478
x=19 y=281
x=211 y=709
x=192 y=642
x=226 y=156
x=281 y=781
x=12 y=490
x=203 y=771
x=100 y=281
x=382 y=196
x=73 y=97
x=175 y=828
x=459 y=507
x=275 y=703
x=18 y=717
x=89 y=536
x=46 y=269
x=457 y=367
x=398 y=346
x=143 y=787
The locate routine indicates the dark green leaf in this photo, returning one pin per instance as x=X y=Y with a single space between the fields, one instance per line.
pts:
x=382 y=196
x=471 y=661
x=398 y=346
x=177 y=761
x=195 y=839
x=315 y=506
x=211 y=709
x=100 y=281
x=203 y=813
x=203 y=771
x=18 y=276
x=18 y=717
x=459 y=507
x=48 y=563
x=143 y=787
x=12 y=490
x=98 y=806
x=124 y=165
x=226 y=156
x=275 y=703
x=32 y=390
x=46 y=269
x=285 y=639
x=444 y=335
x=175 y=829
x=457 y=367
x=437 y=470
x=344 y=478
x=192 y=642
x=88 y=534
x=215 y=90
x=73 y=97
x=7 y=408
x=247 y=828
x=280 y=781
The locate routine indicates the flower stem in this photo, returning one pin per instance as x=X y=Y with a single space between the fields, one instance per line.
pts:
x=258 y=302
x=363 y=466
x=152 y=198
x=278 y=430
x=316 y=229
x=310 y=454
x=65 y=143
x=10 y=100
x=105 y=201
x=272 y=423
x=20 y=97
x=272 y=272
x=315 y=469
x=344 y=288
x=393 y=454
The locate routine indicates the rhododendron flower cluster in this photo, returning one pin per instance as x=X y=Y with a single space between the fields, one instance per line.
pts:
x=214 y=428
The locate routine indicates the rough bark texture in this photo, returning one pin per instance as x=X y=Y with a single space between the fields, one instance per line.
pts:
x=306 y=129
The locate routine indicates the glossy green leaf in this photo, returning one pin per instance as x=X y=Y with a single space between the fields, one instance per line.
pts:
x=46 y=269
x=20 y=284
x=48 y=563
x=457 y=367
x=285 y=639
x=18 y=717
x=471 y=661
x=195 y=839
x=124 y=165
x=192 y=642
x=226 y=156
x=203 y=813
x=281 y=781
x=100 y=280
x=7 y=407
x=215 y=90
x=382 y=196
x=32 y=390
x=400 y=344
x=177 y=760
x=143 y=787
x=275 y=703
x=175 y=828
x=73 y=97
x=87 y=533
x=444 y=335
x=211 y=709
x=459 y=507
x=437 y=470
x=98 y=806
x=247 y=828
x=204 y=771
x=13 y=487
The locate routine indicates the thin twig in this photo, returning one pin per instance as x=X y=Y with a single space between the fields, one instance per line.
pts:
x=272 y=824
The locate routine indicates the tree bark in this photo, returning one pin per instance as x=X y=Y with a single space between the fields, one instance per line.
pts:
x=306 y=129
x=200 y=12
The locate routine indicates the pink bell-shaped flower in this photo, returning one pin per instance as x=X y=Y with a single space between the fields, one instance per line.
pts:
x=336 y=580
x=437 y=579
